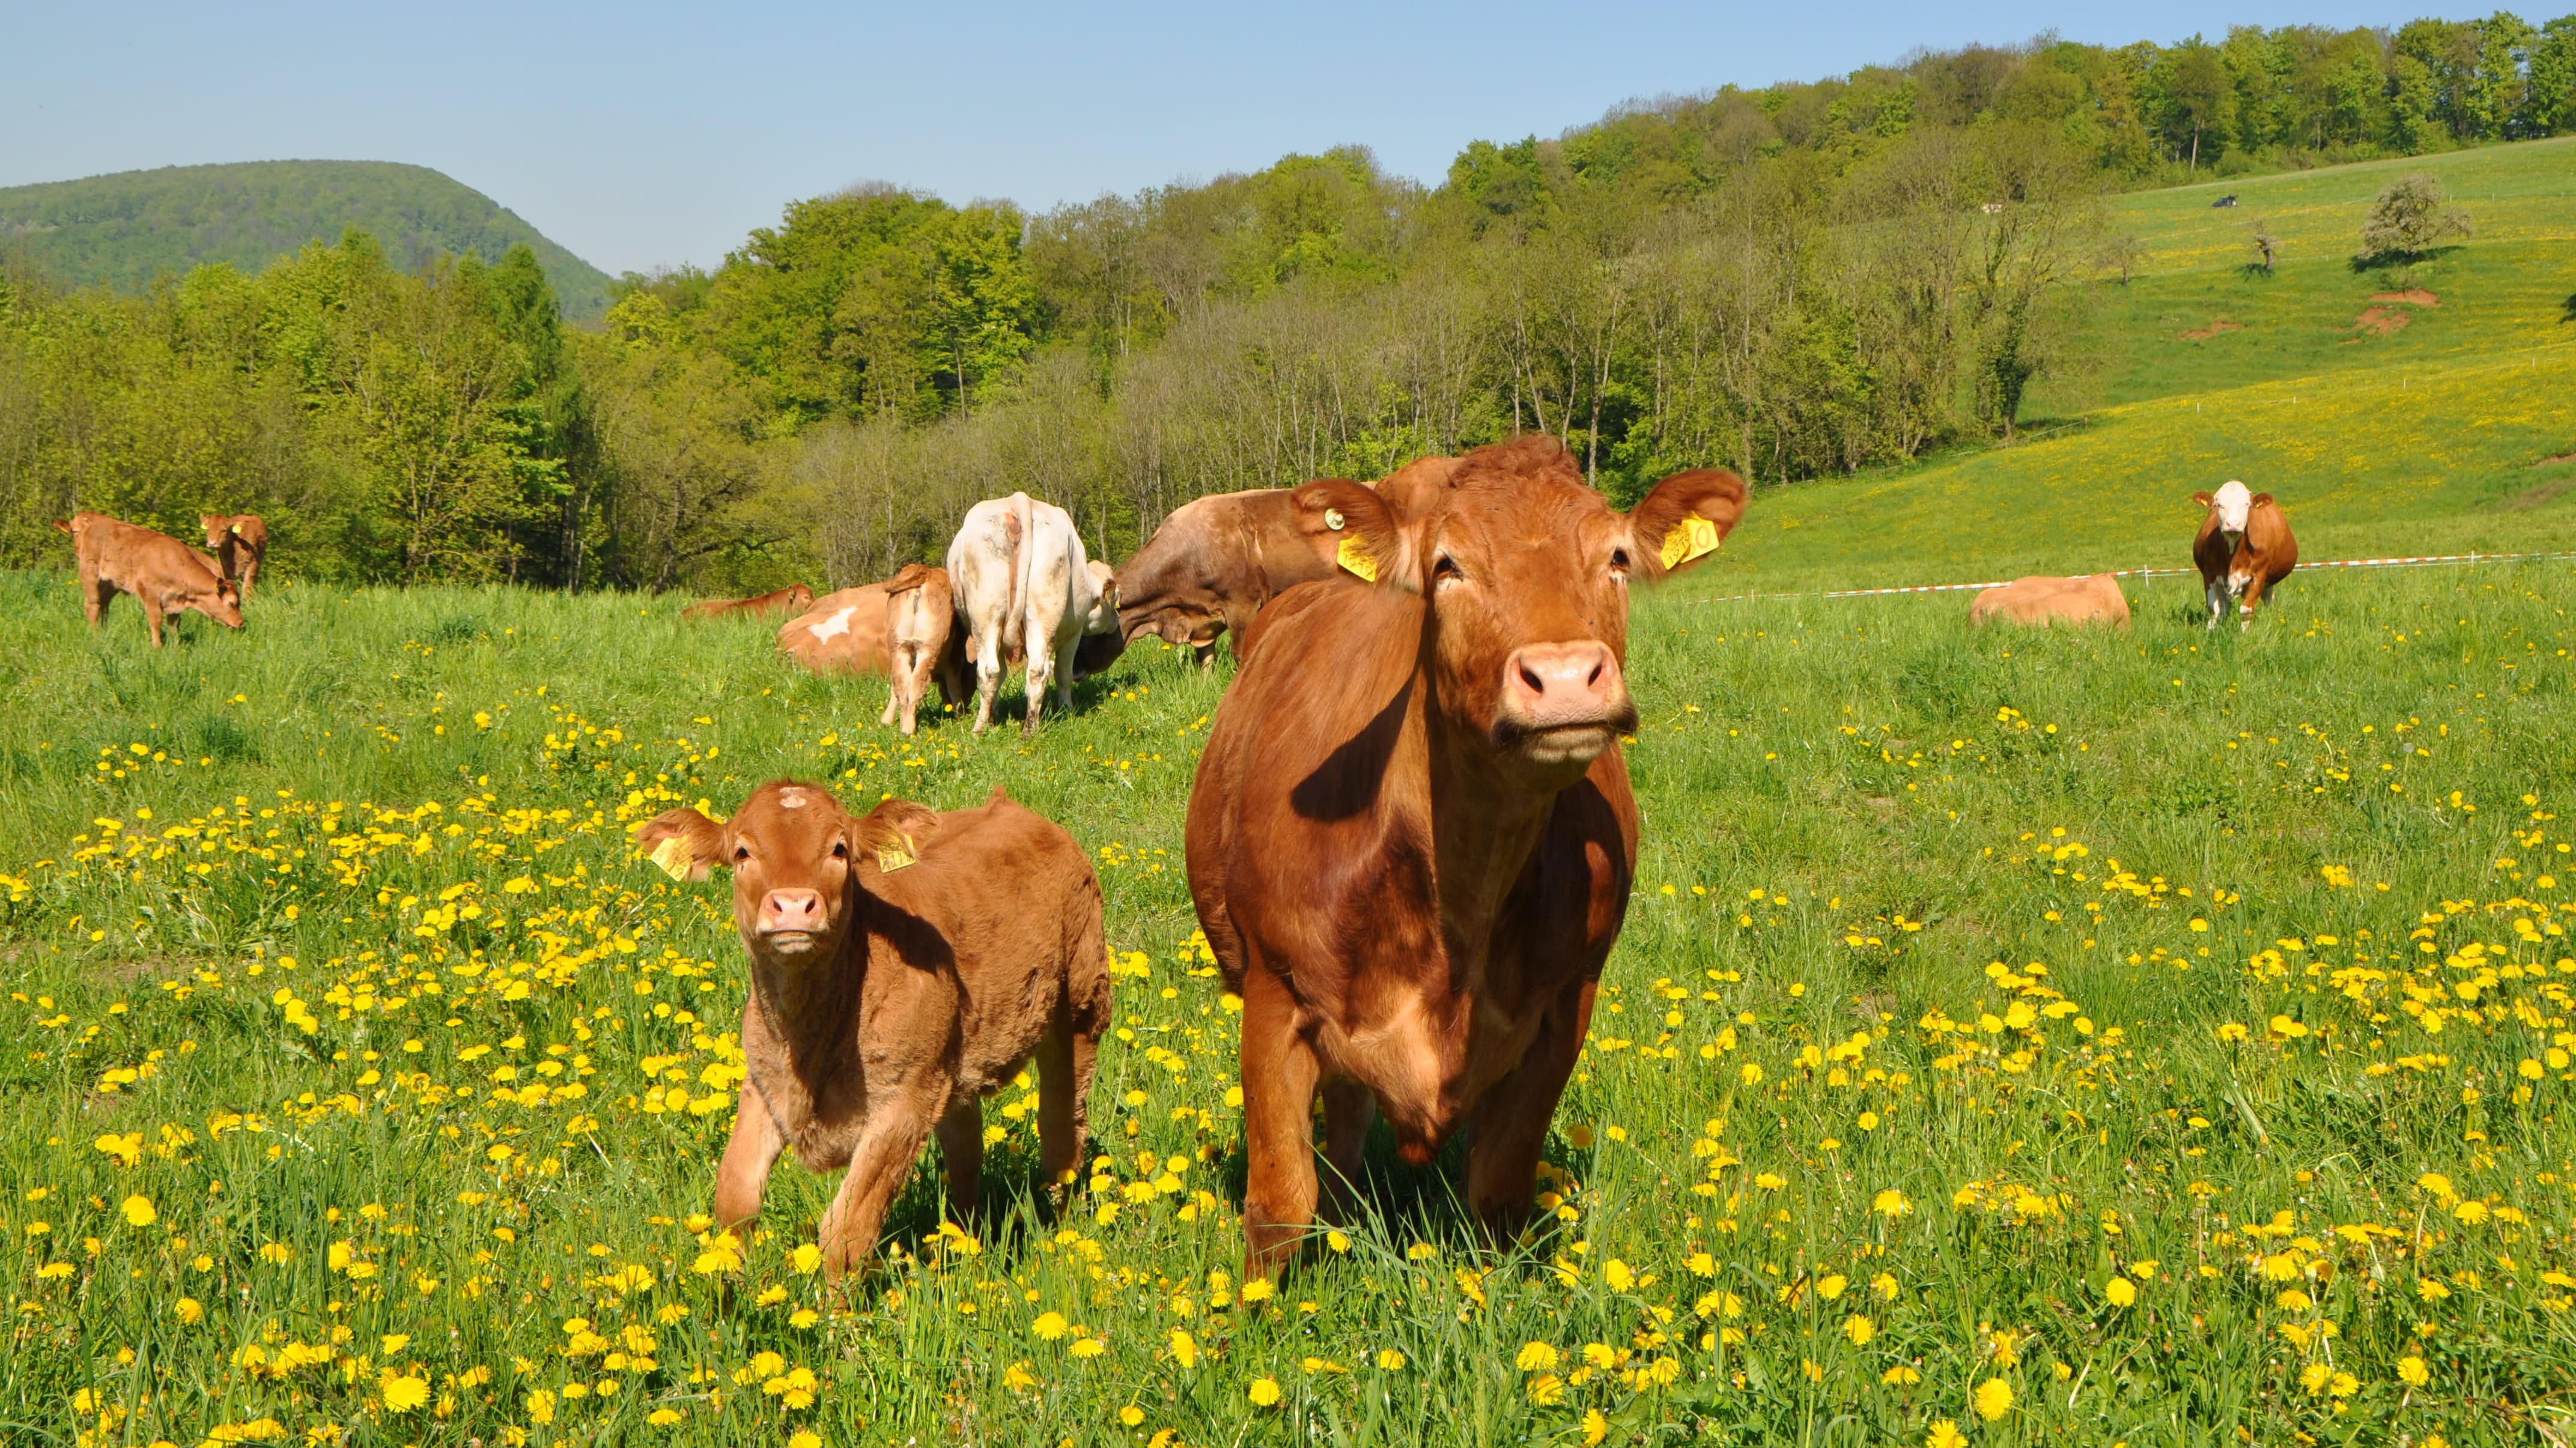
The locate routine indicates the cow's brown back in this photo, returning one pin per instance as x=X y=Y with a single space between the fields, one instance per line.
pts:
x=842 y=633
x=2042 y=600
x=795 y=598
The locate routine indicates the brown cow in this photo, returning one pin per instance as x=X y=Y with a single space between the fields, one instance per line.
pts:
x=1411 y=837
x=2243 y=548
x=1217 y=560
x=904 y=964
x=794 y=599
x=922 y=640
x=240 y=542
x=2044 y=601
x=843 y=633
x=165 y=575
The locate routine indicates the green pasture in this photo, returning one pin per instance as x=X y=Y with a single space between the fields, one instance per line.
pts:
x=2455 y=432
x=2151 y=1037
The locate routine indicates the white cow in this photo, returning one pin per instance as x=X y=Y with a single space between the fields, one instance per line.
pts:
x=1025 y=585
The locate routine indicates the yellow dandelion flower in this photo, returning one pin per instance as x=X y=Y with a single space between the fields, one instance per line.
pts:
x=1994 y=1399
x=1946 y=1434
x=1264 y=1392
x=1257 y=1290
x=1089 y=1347
x=804 y=1438
x=1050 y=1326
x=1131 y=1415
x=2120 y=1292
x=1535 y=1357
x=1185 y=1349
x=1891 y=1203
x=1595 y=1427
x=806 y=1258
x=403 y=1392
x=1391 y=1360
x=1832 y=1286
x=138 y=1211
x=189 y=1311
x=2411 y=1370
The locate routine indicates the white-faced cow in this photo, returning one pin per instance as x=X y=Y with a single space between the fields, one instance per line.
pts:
x=2244 y=548
x=1411 y=836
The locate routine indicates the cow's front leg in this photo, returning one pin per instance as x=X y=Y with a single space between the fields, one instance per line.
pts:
x=1511 y=1123
x=891 y=1144
x=1349 y=1111
x=1279 y=1075
x=961 y=1150
x=2250 y=599
x=2214 y=593
x=748 y=1155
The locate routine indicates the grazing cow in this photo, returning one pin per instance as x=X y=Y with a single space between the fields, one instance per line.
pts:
x=2244 y=547
x=2044 y=601
x=1217 y=560
x=1024 y=584
x=165 y=575
x=1411 y=836
x=904 y=964
x=922 y=640
x=843 y=633
x=794 y=599
x=240 y=541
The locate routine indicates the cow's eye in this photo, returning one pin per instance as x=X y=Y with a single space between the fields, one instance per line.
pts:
x=1445 y=568
x=741 y=854
x=1619 y=560
x=840 y=849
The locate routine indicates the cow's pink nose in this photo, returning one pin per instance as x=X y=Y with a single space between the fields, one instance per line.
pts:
x=1548 y=686
x=791 y=910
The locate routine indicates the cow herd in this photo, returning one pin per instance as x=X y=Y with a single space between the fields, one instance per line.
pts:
x=1410 y=840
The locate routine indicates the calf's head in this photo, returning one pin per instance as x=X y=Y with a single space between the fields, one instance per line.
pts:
x=1525 y=571
x=223 y=604
x=218 y=526
x=794 y=853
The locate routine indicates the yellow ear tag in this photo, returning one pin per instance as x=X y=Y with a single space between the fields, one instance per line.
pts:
x=891 y=858
x=674 y=857
x=1354 y=555
x=1693 y=537
x=236 y=530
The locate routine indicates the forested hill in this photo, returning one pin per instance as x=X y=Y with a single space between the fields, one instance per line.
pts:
x=127 y=228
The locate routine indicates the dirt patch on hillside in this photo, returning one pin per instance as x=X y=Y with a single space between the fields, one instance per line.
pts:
x=2382 y=321
x=2412 y=296
x=2555 y=461
x=2203 y=334
x=2530 y=498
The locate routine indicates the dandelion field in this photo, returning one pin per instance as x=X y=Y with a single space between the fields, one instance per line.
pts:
x=2150 y=1038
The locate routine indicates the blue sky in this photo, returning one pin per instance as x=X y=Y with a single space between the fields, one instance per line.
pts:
x=647 y=133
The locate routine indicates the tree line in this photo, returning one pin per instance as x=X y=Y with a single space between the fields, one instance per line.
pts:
x=1797 y=281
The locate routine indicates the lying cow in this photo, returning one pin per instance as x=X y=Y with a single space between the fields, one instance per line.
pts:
x=240 y=544
x=1025 y=584
x=793 y=599
x=904 y=964
x=922 y=642
x=165 y=575
x=2044 y=601
x=2244 y=547
x=1411 y=837
x=1217 y=560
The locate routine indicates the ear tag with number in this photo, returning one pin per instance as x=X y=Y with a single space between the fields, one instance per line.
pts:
x=674 y=857
x=891 y=858
x=1354 y=556
x=1693 y=537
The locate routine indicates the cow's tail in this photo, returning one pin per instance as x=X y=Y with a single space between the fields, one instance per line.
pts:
x=1016 y=524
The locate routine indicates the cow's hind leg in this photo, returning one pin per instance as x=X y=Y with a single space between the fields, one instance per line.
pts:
x=1511 y=1123
x=1279 y=1077
x=988 y=677
x=1042 y=666
x=151 y=616
x=961 y=1149
x=1349 y=1111
x=1065 y=1061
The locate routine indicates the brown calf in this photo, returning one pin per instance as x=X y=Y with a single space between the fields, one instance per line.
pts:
x=903 y=965
x=165 y=575
x=923 y=640
x=2243 y=548
x=2044 y=601
x=240 y=542
x=794 y=599
x=843 y=633
x=1411 y=836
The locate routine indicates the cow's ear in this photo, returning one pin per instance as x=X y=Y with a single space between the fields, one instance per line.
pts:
x=1351 y=528
x=236 y=527
x=685 y=843
x=2204 y=499
x=62 y=525
x=893 y=832
x=1683 y=520
x=2260 y=499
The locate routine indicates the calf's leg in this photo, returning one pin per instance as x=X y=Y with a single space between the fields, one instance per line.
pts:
x=748 y=1155
x=1279 y=1077
x=1065 y=1059
x=151 y=616
x=1349 y=1111
x=890 y=1145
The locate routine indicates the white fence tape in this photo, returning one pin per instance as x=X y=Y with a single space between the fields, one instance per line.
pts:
x=2425 y=561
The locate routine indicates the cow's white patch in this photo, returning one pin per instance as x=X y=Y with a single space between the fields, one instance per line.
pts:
x=791 y=799
x=2233 y=502
x=835 y=626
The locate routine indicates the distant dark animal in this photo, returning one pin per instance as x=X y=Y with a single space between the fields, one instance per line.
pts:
x=1411 y=837
x=2243 y=548
x=2222 y=201
x=165 y=575
x=793 y=599
x=2045 y=601
x=240 y=541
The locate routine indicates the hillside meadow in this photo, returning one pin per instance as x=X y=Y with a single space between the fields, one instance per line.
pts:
x=2154 y=1038
x=2436 y=424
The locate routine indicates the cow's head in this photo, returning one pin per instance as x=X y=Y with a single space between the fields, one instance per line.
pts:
x=223 y=605
x=1526 y=572
x=794 y=853
x=1174 y=586
x=2231 y=505
x=218 y=526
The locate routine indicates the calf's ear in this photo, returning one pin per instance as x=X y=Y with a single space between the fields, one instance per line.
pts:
x=892 y=832
x=2204 y=499
x=1351 y=528
x=1682 y=521
x=62 y=525
x=685 y=843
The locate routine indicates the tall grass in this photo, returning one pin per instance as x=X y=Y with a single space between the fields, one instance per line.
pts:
x=2037 y=1009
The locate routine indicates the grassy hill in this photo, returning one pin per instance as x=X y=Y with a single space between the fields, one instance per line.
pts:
x=2441 y=425
x=127 y=228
